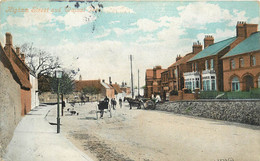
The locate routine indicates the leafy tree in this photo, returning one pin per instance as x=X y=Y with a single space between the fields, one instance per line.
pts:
x=66 y=83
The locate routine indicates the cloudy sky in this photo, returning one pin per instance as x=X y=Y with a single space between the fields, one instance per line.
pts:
x=99 y=43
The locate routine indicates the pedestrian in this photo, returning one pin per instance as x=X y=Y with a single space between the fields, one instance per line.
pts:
x=120 y=102
x=106 y=101
x=62 y=106
x=115 y=103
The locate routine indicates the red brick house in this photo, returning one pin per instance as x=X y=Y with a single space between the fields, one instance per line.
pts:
x=206 y=68
x=172 y=78
x=22 y=72
x=241 y=66
x=153 y=81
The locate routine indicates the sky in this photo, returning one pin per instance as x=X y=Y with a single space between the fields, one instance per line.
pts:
x=100 y=43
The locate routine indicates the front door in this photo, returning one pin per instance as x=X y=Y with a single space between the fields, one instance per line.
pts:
x=249 y=83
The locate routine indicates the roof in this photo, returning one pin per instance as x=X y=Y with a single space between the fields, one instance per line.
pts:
x=183 y=59
x=214 y=49
x=79 y=85
x=107 y=86
x=17 y=73
x=117 y=88
x=252 y=43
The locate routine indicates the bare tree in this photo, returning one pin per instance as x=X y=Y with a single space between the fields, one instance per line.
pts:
x=39 y=61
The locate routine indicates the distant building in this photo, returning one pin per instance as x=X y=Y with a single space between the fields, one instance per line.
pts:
x=153 y=81
x=241 y=65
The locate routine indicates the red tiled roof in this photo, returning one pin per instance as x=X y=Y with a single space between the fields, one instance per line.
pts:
x=117 y=88
x=183 y=59
x=17 y=73
x=79 y=85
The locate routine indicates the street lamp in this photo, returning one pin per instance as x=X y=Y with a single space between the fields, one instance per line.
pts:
x=58 y=75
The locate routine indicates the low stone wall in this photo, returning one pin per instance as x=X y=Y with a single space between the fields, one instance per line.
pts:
x=242 y=111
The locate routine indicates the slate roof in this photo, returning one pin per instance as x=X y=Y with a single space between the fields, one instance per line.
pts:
x=214 y=49
x=252 y=43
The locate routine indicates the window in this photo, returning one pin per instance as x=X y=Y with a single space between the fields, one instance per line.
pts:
x=206 y=65
x=241 y=62
x=232 y=64
x=253 y=60
x=211 y=64
x=196 y=66
x=235 y=84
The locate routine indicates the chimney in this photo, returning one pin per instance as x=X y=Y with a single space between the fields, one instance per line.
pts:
x=110 y=82
x=245 y=30
x=22 y=57
x=18 y=51
x=208 y=40
x=251 y=28
x=197 y=47
x=241 y=32
x=178 y=57
x=8 y=39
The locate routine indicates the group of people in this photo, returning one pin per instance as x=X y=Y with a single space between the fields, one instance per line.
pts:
x=113 y=102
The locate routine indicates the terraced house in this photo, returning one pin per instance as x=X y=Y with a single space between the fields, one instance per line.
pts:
x=207 y=66
x=172 y=78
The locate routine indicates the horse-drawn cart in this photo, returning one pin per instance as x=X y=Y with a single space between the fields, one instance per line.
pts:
x=134 y=102
x=103 y=107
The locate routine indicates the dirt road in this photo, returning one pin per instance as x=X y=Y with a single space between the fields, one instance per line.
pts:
x=155 y=135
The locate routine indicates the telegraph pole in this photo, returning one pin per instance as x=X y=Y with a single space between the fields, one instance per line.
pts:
x=138 y=84
x=132 y=83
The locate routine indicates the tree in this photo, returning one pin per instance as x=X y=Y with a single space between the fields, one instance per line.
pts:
x=90 y=90
x=66 y=83
x=39 y=61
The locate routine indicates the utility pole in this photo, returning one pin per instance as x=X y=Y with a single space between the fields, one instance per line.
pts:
x=138 y=84
x=132 y=83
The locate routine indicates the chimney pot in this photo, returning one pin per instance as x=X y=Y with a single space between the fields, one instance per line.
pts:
x=208 y=40
x=197 y=47
x=8 y=39
x=22 y=57
x=18 y=51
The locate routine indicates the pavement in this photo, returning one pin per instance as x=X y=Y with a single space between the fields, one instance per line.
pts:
x=35 y=139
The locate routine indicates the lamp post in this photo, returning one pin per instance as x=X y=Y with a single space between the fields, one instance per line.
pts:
x=58 y=75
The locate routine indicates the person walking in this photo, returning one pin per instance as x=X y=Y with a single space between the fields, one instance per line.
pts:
x=120 y=102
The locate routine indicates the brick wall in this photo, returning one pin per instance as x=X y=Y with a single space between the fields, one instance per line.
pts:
x=241 y=72
x=10 y=106
x=25 y=101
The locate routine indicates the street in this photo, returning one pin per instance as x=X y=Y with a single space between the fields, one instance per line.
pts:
x=156 y=135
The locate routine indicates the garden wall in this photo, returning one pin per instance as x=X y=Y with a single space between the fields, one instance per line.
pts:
x=242 y=111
